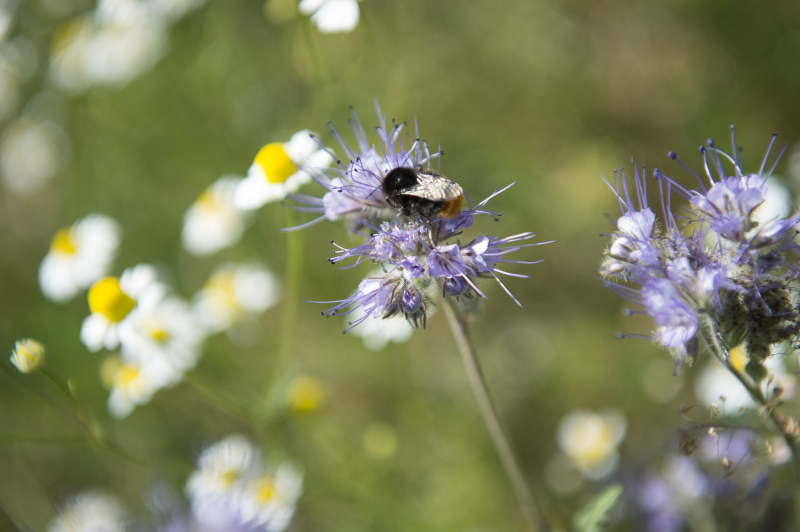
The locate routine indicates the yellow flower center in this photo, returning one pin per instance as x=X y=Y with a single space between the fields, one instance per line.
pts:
x=107 y=298
x=603 y=436
x=306 y=394
x=126 y=376
x=275 y=162
x=155 y=329
x=229 y=477
x=738 y=357
x=208 y=203
x=221 y=285
x=265 y=490
x=64 y=242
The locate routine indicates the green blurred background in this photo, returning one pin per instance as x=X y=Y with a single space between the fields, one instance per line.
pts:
x=544 y=93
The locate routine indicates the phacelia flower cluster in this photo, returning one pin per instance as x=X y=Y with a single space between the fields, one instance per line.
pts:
x=422 y=259
x=714 y=271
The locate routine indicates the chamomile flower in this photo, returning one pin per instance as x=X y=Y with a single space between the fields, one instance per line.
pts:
x=164 y=328
x=234 y=293
x=112 y=299
x=269 y=501
x=234 y=485
x=279 y=169
x=134 y=382
x=590 y=440
x=28 y=355
x=331 y=16
x=213 y=222
x=79 y=255
x=90 y=511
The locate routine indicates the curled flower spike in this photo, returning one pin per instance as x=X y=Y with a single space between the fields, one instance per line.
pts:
x=717 y=261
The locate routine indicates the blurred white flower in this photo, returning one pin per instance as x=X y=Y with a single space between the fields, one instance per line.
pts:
x=32 y=151
x=376 y=334
x=277 y=170
x=27 y=355
x=233 y=293
x=234 y=485
x=777 y=203
x=270 y=500
x=90 y=511
x=716 y=382
x=590 y=440
x=78 y=256
x=331 y=16
x=134 y=382
x=115 y=43
x=213 y=222
x=111 y=300
x=164 y=328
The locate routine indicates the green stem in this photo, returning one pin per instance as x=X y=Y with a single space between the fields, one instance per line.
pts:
x=293 y=275
x=722 y=353
x=502 y=444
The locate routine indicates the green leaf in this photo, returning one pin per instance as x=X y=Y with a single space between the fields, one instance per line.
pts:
x=593 y=516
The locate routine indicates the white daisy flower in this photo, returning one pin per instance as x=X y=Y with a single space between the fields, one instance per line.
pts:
x=274 y=173
x=590 y=440
x=162 y=328
x=213 y=222
x=27 y=355
x=716 y=385
x=33 y=150
x=233 y=293
x=223 y=467
x=79 y=256
x=90 y=511
x=233 y=484
x=112 y=299
x=331 y=16
x=133 y=383
x=270 y=500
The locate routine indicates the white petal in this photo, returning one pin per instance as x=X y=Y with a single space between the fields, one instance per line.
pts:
x=307 y=7
x=55 y=278
x=93 y=331
x=337 y=16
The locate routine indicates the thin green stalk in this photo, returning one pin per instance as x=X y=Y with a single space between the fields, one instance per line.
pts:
x=502 y=444
x=293 y=275
x=722 y=353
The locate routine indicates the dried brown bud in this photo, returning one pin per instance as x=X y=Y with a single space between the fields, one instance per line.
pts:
x=777 y=392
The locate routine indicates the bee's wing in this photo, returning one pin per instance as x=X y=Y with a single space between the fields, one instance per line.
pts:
x=434 y=187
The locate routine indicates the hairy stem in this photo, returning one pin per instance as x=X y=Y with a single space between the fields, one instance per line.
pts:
x=458 y=326
x=722 y=353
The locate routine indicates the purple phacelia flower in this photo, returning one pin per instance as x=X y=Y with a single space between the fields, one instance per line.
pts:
x=716 y=260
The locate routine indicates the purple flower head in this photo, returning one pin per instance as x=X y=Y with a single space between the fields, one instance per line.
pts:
x=455 y=287
x=711 y=257
x=411 y=268
x=376 y=297
x=676 y=320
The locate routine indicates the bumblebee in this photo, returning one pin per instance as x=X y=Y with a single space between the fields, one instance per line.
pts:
x=423 y=192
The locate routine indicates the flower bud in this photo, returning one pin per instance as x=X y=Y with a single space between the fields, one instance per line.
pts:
x=27 y=355
x=455 y=287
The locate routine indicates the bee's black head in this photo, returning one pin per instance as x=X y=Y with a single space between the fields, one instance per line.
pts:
x=399 y=179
